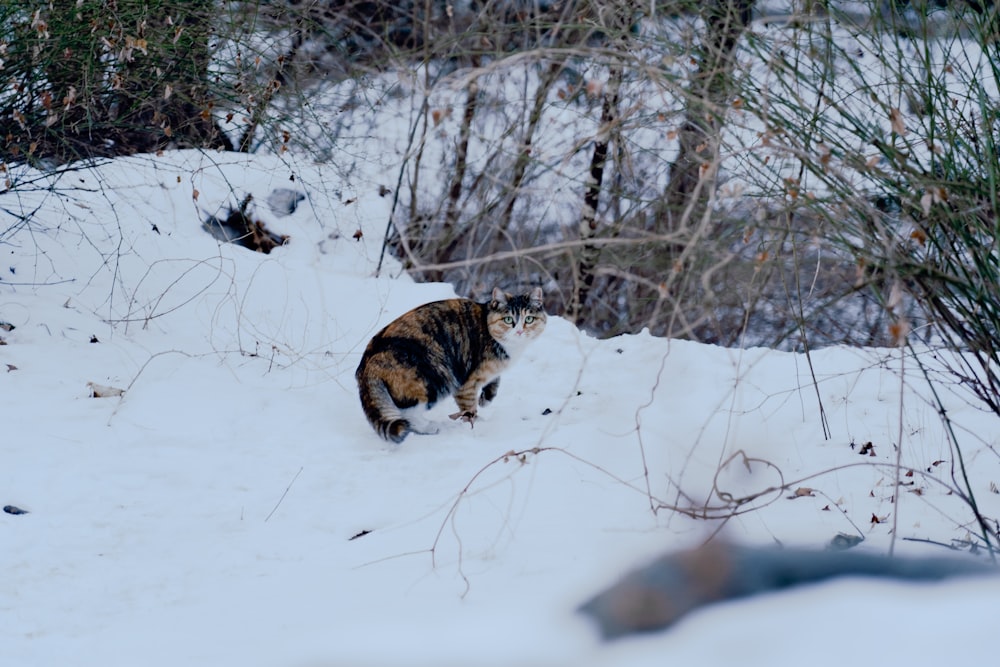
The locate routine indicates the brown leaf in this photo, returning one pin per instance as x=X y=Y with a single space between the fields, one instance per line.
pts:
x=898 y=331
x=358 y=235
x=438 y=115
x=896 y=120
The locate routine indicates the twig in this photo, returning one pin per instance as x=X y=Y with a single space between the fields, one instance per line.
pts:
x=899 y=453
x=399 y=184
x=287 y=489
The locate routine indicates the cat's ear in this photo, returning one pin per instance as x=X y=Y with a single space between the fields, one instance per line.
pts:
x=536 y=298
x=499 y=297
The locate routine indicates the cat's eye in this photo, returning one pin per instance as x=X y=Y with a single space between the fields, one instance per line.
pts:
x=528 y=319
x=508 y=320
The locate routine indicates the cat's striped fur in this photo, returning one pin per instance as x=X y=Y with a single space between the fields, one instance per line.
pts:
x=455 y=347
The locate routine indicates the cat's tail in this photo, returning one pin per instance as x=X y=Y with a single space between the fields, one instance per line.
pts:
x=382 y=412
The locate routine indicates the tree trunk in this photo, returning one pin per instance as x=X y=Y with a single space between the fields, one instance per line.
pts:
x=708 y=99
x=589 y=252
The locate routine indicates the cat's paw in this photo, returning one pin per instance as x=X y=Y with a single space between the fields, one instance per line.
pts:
x=425 y=428
x=465 y=416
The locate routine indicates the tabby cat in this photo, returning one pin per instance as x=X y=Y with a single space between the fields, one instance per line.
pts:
x=456 y=346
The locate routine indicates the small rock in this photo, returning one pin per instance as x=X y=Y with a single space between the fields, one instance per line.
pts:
x=284 y=201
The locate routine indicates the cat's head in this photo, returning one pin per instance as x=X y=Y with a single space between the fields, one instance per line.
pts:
x=515 y=320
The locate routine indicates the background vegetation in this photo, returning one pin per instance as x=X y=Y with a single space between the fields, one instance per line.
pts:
x=788 y=174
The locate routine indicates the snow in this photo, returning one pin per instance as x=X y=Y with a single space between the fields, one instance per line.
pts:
x=233 y=506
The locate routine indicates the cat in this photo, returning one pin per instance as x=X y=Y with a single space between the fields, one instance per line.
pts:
x=454 y=347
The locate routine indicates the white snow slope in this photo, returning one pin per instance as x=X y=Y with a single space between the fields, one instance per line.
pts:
x=206 y=515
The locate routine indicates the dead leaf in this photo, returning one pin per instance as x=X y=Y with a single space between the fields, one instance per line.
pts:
x=358 y=235
x=925 y=203
x=896 y=120
x=11 y=367
x=102 y=391
x=802 y=491
x=438 y=115
x=898 y=331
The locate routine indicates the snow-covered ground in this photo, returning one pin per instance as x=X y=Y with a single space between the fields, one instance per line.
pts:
x=233 y=507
